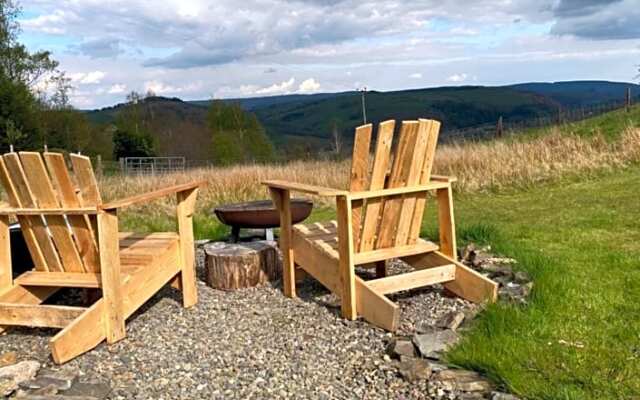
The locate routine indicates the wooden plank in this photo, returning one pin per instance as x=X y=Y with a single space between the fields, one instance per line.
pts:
x=185 y=209
x=282 y=201
x=412 y=280
x=86 y=180
x=26 y=199
x=150 y=196
x=27 y=232
x=80 y=224
x=446 y=223
x=59 y=279
x=422 y=246
x=359 y=176
x=110 y=274
x=345 y=261
x=19 y=294
x=413 y=178
x=48 y=211
x=6 y=271
x=38 y=315
x=88 y=330
x=468 y=284
x=40 y=185
x=376 y=308
x=378 y=176
x=408 y=190
x=398 y=178
x=304 y=188
x=317 y=263
x=425 y=178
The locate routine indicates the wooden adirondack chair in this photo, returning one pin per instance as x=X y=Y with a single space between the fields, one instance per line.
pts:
x=379 y=218
x=73 y=239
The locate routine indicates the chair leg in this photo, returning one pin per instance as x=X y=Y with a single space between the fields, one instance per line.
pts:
x=186 y=203
x=446 y=222
x=282 y=201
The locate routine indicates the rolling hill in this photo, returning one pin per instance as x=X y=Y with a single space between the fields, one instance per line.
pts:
x=302 y=124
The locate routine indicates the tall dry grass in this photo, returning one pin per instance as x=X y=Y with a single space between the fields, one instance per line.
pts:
x=478 y=167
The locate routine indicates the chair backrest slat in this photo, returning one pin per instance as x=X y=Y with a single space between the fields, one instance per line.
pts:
x=413 y=179
x=39 y=183
x=86 y=180
x=359 y=175
x=398 y=178
x=433 y=131
x=26 y=199
x=378 y=176
x=80 y=224
x=39 y=261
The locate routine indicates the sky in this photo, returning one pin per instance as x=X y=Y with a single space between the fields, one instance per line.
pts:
x=196 y=49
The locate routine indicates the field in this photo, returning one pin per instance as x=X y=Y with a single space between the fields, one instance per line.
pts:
x=560 y=201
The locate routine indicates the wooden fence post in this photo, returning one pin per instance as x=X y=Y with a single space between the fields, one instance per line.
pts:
x=499 y=128
x=628 y=99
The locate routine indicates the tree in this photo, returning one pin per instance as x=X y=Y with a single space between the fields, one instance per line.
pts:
x=19 y=112
x=237 y=135
x=131 y=137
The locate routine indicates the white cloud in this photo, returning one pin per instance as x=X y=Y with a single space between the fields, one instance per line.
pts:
x=309 y=86
x=118 y=88
x=458 y=77
x=277 y=88
x=87 y=78
x=416 y=75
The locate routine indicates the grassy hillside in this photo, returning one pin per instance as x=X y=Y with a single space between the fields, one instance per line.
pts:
x=580 y=93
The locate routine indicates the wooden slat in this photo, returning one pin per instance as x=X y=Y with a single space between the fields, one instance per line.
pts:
x=468 y=284
x=26 y=200
x=186 y=207
x=422 y=246
x=48 y=211
x=378 y=175
x=376 y=308
x=40 y=185
x=86 y=180
x=359 y=176
x=110 y=276
x=59 y=279
x=38 y=315
x=425 y=178
x=317 y=263
x=412 y=280
x=407 y=190
x=446 y=223
x=80 y=224
x=281 y=199
x=150 y=196
x=22 y=295
x=346 y=255
x=398 y=178
x=415 y=172
x=6 y=272
x=27 y=231
x=304 y=188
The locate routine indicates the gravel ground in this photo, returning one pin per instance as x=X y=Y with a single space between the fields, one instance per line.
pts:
x=249 y=344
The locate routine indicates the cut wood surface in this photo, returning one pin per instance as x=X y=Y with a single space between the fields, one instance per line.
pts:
x=231 y=266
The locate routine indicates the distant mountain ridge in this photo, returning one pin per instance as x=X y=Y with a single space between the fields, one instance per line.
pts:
x=302 y=124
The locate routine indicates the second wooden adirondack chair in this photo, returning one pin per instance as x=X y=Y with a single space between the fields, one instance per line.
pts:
x=73 y=239
x=379 y=218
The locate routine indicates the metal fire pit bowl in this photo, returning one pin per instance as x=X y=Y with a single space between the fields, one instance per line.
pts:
x=261 y=214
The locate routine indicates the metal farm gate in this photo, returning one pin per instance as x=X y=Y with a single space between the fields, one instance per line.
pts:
x=151 y=165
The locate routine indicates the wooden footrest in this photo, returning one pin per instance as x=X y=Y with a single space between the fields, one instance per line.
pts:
x=38 y=316
x=59 y=279
x=412 y=280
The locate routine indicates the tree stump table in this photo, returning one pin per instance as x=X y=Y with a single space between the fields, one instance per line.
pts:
x=230 y=266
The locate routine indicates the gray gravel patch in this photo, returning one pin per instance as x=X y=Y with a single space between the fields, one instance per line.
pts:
x=249 y=344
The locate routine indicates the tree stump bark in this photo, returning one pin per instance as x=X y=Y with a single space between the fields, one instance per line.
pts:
x=232 y=266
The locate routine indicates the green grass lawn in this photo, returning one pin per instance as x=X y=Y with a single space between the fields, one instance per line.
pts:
x=581 y=243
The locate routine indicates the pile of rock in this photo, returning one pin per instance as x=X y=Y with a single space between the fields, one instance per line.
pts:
x=515 y=286
x=28 y=381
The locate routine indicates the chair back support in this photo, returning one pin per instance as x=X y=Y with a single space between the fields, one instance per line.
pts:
x=384 y=222
x=57 y=243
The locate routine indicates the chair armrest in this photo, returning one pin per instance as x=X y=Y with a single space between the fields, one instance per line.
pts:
x=443 y=178
x=304 y=188
x=433 y=185
x=150 y=196
x=49 y=211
